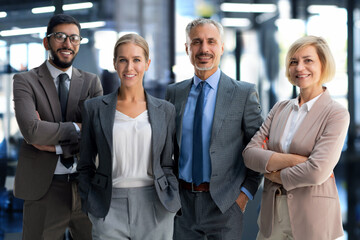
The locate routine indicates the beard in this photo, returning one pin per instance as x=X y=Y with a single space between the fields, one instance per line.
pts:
x=203 y=68
x=56 y=60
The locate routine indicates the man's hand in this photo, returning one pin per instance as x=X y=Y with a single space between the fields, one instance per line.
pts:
x=242 y=200
x=47 y=148
x=274 y=177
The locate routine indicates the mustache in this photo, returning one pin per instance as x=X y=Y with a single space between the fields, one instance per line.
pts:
x=60 y=49
x=204 y=55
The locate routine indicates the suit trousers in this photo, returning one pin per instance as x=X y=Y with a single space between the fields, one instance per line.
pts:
x=282 y=227
x=135 y=213
x=201 y=219
x=60 y=208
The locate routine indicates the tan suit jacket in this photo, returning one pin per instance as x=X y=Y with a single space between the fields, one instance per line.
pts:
x=312 y=198
x=35 y=91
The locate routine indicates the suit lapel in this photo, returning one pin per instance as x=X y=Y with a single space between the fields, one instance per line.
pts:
x=181 y=95
x=74 y=93
x=107 y=115
x=156 y=118
x=280 y=123
x=46 y=81
x=224 y=97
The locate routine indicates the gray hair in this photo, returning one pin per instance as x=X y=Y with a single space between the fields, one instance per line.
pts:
x=202 y=21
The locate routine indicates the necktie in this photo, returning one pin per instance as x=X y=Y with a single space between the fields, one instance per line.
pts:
x=197 y=164
x=63 y=97
x=63 y=94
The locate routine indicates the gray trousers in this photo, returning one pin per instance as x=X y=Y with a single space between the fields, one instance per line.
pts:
x=201 y=219
x=136 y=214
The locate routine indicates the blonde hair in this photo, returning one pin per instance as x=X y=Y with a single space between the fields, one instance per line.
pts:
x=133 y=38
x=323 y=51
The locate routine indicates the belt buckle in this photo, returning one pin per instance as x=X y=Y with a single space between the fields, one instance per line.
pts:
x=192 y=189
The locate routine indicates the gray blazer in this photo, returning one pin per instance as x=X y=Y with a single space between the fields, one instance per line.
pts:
x=95 y=183
x=237 y=117
x=35 y=91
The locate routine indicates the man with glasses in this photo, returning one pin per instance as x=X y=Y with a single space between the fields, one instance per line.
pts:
x=48 y=102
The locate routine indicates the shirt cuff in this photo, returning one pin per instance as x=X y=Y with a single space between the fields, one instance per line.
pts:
x=248 y=194
x=77 y=127
x=58 y=149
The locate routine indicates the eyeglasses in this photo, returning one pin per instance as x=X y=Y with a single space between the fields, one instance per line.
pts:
x=61 y=37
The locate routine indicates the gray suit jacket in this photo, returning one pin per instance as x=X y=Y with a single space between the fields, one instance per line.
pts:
x=312 y=196
x=35 y=91
x=95 y=182
x=237 y=117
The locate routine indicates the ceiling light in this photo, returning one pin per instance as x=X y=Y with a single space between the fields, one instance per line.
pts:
x=316 y=9
x=248 y=7
x=84 y=41
x=22 y=31
x=235 y=22
x=92 y=24
x=25 y=31
x=65 y=7
x=3 y=14
x=39 y=10
x=77 y=6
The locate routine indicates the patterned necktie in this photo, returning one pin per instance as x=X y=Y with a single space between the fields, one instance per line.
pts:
x=63 y=97
x=63 y=94
x=197 y=164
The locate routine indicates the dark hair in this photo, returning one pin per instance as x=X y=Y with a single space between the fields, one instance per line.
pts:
x=61 y=19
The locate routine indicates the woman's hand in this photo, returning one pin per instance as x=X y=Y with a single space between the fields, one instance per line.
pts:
x=274 y=177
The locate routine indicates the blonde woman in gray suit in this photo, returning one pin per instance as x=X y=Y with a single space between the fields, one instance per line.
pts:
x=132 y=193
x=297 y=148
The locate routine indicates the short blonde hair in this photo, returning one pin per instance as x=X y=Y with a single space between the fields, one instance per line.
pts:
x=323 y=51
x=133 y=38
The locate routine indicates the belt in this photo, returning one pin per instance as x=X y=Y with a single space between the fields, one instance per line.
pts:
x=66 y=177
x=203 y=187
x=281 y=191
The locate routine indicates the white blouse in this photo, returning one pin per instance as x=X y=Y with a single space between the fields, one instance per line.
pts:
x=132 y=163
x=295 y=119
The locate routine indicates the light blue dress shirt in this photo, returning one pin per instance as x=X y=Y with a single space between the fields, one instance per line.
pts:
x=185 y=161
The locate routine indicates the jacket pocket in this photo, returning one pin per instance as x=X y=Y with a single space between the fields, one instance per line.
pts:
x=163 y=182
x=99 y=180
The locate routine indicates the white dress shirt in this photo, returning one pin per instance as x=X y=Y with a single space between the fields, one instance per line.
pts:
x=60 y=168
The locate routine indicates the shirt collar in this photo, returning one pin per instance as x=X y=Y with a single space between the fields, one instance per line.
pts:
x=56 y=72
x=213 y=80
x=308 y=105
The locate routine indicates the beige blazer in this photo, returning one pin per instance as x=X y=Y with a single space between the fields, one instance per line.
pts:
x=312 y=198
x=35 y=91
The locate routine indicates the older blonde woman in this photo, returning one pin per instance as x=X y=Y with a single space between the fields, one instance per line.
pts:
x=133 y=192
x=297 y=148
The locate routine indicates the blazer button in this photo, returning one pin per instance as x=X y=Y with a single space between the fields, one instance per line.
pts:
x=290 y=196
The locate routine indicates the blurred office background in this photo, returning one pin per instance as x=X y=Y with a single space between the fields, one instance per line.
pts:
x=257 y=36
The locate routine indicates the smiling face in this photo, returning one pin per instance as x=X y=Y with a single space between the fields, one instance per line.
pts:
x=130 y=64
x=305 y=68
x=204 y=47
x=62 y=55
